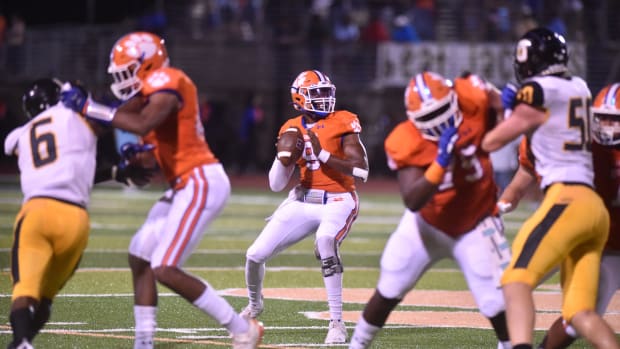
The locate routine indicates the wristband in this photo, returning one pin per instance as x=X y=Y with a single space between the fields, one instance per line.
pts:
x=360 y=173
x=283 y=154
x=324 y=156
x=434 y=173
x=99 y=111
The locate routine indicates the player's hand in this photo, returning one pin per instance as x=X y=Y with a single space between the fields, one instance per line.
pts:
x=316 y=144
x=504 y=206
x=446 y=146
x=130 y=150
x=132 y=174
x=509 y=95
x=74 y=97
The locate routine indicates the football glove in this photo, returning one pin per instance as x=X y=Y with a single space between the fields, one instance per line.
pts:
x=509 y=95
x=132 y=174
x=446 y=146
x=76 y=98
x=129 y=150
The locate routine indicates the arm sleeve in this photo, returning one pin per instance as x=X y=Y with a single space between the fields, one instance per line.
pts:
x=279 y=175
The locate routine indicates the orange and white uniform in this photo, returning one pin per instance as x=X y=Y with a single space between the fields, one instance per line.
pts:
x=324 y=203
x=460 y=220
x=199 y=185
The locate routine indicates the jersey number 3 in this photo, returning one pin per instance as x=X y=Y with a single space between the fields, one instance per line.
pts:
x=42 y=145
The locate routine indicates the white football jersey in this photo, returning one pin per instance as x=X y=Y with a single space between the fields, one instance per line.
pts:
x=57 y=153
x=561 y=145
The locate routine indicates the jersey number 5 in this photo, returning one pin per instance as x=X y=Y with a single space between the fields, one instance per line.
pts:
x=579 y=118
x=42 y=145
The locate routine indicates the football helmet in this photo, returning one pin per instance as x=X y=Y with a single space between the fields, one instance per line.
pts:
x=133 y=57
x=540 y=51
x=606 y=116
x=432 y=104
x=40 y=95
x=313 y=92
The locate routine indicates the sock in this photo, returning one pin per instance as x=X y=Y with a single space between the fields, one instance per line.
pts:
x=363 y=334
x=145 y=317
x=522 y=346
x=333 y=286
x=219 y=309
x=254 y=275
x=21 y=323
x=504 y=345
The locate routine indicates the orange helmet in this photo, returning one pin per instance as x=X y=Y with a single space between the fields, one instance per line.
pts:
x=606 y=116
x=432 y=104
x=132 y=58
x=313 y=92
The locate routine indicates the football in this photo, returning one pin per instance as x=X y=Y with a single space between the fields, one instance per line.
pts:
x=290 y=146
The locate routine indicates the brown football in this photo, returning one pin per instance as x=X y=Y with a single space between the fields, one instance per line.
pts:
x=290 y=145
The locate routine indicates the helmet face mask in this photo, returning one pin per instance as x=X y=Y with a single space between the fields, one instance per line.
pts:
x=540 y=52
x=132 y=58
x=432 y=104
x=40 y=95
x=313 y=92
x=606 y=116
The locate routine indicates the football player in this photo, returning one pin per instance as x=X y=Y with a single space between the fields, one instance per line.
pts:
x=57 y=153
x=162 y=107
x=606 y=157
x=446 y=183
x=571 y=225
x=323 y=203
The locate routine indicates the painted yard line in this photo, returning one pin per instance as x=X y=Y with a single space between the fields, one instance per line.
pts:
x=242 y=268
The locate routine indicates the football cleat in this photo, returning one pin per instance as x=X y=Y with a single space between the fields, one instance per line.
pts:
x=250 y=339
x=252 y=311
x=337 y=332
x=25 y=344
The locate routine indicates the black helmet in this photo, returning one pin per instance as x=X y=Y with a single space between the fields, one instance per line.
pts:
x=540 y=52
x=40 y=95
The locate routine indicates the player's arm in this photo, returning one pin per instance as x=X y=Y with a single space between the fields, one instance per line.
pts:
x=415 y=189
x=527 y=115
x=159 y=107
x=514 y=192
x=132 y=116
x=355 y=162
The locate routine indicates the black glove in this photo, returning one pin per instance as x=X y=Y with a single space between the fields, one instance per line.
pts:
x=131 y=174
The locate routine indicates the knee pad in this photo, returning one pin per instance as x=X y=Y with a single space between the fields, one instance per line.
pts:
x=331 y=266
x=324 y=247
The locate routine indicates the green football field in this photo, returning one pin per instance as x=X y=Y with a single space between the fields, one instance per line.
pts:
x=94 y=310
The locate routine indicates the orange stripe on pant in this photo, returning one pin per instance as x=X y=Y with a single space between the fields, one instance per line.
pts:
x=170 y=258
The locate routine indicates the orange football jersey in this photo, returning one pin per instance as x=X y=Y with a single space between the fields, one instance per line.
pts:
x=468 y=192
x=313 y=173
x=607 y=183
x=179 y=141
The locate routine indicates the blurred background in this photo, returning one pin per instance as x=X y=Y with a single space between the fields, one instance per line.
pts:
x=244 y=54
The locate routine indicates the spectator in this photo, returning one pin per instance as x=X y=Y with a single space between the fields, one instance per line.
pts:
x=424 y=17
x=253 y=116
x=15 y=37
x=403 y=30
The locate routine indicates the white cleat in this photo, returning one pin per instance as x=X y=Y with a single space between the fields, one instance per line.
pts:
x=252 y=311
x=250 y=339
x=23 y=345
x=337 y=332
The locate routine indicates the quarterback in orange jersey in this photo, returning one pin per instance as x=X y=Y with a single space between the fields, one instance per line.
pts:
x=446 y=183
x=164 y=110
x=324 y=202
